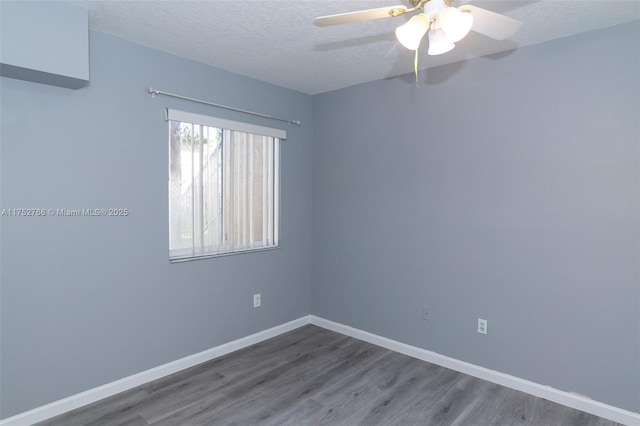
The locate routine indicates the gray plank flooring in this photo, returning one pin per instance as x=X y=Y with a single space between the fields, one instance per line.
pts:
x=313 y=376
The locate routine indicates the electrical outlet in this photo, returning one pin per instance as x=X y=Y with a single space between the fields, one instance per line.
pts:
x=425 y=314
x=482 y=326
x=257 y=300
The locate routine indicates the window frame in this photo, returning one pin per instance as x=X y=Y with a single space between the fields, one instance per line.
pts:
x=185 y=255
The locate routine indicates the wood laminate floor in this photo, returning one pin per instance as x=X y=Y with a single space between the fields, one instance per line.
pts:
x=312 y=376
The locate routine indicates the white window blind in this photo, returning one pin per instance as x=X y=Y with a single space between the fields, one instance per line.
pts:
x=223 y=186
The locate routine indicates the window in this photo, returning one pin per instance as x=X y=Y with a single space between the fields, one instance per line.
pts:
x=223 y=186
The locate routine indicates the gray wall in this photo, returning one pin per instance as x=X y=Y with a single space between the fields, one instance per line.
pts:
x=45 y=41
x=86 y=301
x=504 y=188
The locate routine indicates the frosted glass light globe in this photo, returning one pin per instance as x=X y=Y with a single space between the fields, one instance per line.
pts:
x=455 y=23
x=410 y=34
x=438 y=42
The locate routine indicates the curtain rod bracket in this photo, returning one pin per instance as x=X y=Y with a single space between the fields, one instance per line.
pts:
x=153 y=92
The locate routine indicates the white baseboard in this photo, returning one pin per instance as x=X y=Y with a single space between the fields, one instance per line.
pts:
x=568 y=399
x=92 y=395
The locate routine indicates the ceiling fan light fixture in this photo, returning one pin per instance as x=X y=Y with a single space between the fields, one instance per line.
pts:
x=438 y=42
x=432 y=8
x=410 y=34
x=455 y=23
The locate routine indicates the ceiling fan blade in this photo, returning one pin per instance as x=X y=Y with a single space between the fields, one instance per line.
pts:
x=491 y=24
x=360 y=15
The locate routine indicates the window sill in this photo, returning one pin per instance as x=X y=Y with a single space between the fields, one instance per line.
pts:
x=211 y=256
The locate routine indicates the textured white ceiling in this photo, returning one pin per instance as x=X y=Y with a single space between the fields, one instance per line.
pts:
x=275 y=40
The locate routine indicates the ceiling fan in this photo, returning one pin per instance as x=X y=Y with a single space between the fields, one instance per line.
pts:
x=444 y=24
